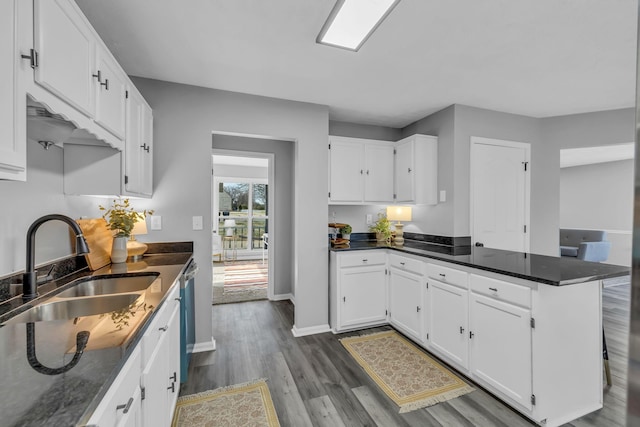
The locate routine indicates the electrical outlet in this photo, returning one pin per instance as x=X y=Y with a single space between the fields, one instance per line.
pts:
x=197 y=223
x=369 y=219
x=156 y=222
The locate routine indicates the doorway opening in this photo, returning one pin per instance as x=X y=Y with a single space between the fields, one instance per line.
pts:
x=241 y=213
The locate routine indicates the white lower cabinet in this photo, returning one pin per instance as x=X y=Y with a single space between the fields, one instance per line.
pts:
x=160 y=379
x=500 y=345
x=447 y=331
x=538 y=347
x=405 y=302
x=121 y=405
x=358 y=290
x=145 y=391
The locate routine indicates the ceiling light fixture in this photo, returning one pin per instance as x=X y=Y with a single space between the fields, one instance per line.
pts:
x=351 y=22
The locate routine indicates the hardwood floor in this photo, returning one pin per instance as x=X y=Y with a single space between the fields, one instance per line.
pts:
x=314 y=382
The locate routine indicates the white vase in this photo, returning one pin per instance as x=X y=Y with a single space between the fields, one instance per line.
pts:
x=119 y=250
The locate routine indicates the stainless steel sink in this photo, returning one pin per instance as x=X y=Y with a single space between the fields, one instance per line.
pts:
x=109 y=285
x=72 y=308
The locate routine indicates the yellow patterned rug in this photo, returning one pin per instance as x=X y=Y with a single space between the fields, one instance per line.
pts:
x=410 y=378
x=247 y=404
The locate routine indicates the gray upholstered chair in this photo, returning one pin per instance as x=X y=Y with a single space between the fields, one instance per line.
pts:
x=587 y=245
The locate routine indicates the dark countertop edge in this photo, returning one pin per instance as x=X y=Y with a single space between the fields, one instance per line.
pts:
x=484 y=268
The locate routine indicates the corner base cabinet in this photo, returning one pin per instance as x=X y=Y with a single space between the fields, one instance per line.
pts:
x=537 y=347
x=358 y=290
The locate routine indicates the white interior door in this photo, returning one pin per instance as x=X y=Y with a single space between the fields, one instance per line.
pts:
x=500 y=194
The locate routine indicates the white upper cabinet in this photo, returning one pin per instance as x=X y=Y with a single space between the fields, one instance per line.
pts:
x=345 y=170
x=416 y=170
x=360 y=170
x=13 y=156
x=378 y=173
x=65 y=47
x=363 y=171
x=111 y=94
x=138 y=164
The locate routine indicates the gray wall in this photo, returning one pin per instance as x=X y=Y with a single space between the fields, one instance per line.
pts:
x=280 y=218
x=41 y=194
x=438 y=219
x=354 y=130
x=600 y=196
x=544 y=167
x=184 y=119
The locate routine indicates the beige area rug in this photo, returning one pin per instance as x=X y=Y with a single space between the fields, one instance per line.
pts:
x=410 y=378
x=239 y=281
x=247 y=404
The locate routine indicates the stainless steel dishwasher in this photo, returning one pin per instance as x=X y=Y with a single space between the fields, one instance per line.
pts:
x=187 y=317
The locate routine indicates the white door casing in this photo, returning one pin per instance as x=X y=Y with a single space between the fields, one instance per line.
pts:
x=500 y=193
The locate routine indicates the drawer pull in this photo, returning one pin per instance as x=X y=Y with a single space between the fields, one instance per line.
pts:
x=443 y=275
x=164 y=328
x=461 y=330
x=125 y=407
x=365 y=260
x=402 y=263
x=493 y=289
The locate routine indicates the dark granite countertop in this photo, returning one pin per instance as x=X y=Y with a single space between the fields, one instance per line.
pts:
x=550 y=270
x=31 y=398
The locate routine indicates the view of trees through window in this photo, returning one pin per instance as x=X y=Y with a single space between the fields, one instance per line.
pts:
x=243 y=213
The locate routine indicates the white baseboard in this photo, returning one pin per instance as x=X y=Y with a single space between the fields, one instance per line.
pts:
x=283 y=297
x=200 y=347
x=312 y=330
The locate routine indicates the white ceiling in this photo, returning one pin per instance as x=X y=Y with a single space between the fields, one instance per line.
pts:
x=534 y=57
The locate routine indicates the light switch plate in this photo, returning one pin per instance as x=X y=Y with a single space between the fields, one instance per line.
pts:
x=197 y=223
x=156 y=222
x=369 y=219
x=443 y=195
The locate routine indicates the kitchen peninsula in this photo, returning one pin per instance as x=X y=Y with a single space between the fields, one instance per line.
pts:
x=127 y=350
x=526 y=327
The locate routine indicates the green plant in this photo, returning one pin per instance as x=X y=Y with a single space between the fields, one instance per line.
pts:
x=382 y=226
x=346 y=229
x=121 y=217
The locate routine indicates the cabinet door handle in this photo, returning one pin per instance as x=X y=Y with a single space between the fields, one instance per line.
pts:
x=361 y=171
x=172 y=388
x=418 y=309
x=409 y=170
x=145 y=147
x=32 y=57
x=443 y=275
x=461 y=330
x=471 y=334
x=493 y=289
x=367 y=171
x=344 y=299
x=125 y=407
x=98 y=76
x=164 y=328
x=402 y=263
x=178 y=298
x=174 y=376
x=365 y=260
x=105 y=84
